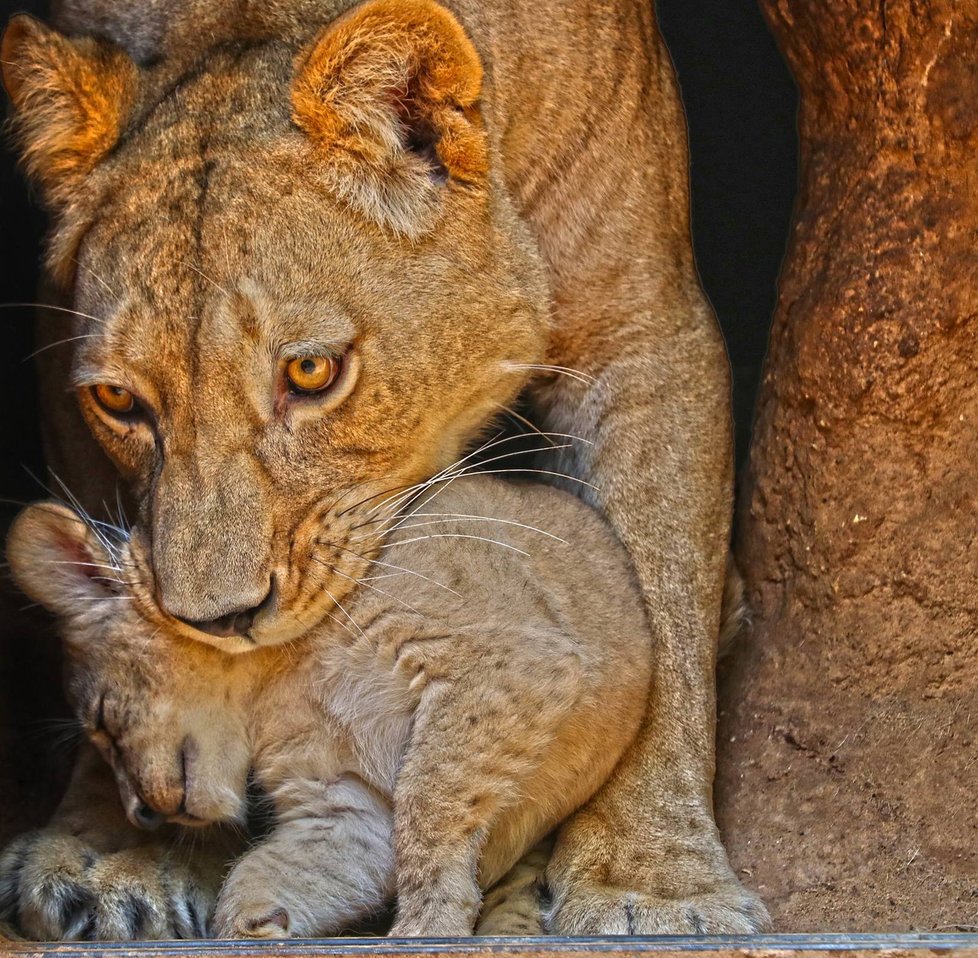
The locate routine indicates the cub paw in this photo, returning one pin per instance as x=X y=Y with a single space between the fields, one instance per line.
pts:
x=55 y=887
x=254 y=923
x=433 y=926
x=250 y=903
x=439 y=910
x=514 y=906
x=603 y=910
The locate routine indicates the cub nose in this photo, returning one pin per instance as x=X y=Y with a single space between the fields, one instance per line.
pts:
x=235 y=622
x=146 y=817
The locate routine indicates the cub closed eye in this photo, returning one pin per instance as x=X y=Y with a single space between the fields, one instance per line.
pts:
x=312 y=374
x=114 y=399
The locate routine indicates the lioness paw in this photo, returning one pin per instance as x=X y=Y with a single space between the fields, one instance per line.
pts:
x=603 y=910
x=11 y=864
x=54 y=887
x=143 y=894
x=42 y=885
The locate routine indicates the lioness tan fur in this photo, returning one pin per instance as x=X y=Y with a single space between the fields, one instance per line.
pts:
x=459 y=207
x=416 y=744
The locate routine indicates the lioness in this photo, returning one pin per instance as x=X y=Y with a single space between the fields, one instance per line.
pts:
x=415 y=743
x=313 y=249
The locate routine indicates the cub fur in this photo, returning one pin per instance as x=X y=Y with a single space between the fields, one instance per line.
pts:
x=416 y=744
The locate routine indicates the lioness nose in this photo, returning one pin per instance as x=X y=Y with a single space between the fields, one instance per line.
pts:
x=235 y=622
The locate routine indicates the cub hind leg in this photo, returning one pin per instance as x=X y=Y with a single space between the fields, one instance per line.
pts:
x=514 y=905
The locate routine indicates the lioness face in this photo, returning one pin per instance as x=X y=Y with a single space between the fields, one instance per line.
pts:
x=304 y=291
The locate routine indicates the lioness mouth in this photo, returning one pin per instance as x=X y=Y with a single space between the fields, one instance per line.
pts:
x=238 y=622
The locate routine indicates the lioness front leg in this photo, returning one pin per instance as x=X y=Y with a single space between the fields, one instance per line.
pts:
x=327 y=865
x=90 y=874
x=644 y=855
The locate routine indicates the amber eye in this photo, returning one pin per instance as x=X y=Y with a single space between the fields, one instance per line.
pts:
x=114 y=399
x=312 y=374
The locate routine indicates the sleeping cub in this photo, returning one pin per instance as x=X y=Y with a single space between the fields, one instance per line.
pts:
x=477 y=687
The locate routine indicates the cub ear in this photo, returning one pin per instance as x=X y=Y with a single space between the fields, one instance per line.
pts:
x=391 y=91
x=58 y=560
x=71 y=99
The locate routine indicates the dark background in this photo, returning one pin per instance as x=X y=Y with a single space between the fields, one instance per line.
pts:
x=740 y=104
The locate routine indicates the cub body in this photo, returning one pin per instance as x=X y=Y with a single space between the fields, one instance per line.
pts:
x=479 y=685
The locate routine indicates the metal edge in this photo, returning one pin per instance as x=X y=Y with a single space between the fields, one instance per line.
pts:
x=935 y=942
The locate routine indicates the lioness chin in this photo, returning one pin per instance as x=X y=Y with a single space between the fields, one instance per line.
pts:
x=309 y=252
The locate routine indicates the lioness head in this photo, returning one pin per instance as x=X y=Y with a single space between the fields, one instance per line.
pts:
x=302 y=290
x=169 y=715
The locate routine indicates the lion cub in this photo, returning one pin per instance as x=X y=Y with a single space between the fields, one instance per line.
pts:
x=478 y=686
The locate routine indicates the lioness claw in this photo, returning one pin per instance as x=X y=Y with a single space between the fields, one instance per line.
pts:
x=603 y=910
x=55 y=887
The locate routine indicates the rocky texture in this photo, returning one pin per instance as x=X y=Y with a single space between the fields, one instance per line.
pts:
x=849 y=740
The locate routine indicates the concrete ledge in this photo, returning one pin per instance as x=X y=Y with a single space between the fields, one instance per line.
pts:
x=753 y=946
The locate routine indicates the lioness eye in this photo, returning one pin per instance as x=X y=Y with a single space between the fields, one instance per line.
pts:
x=312 y=374
x=114 y=399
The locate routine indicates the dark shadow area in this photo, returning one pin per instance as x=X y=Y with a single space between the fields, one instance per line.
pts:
x=740 y=105
x=21 y=227
x=35 y=735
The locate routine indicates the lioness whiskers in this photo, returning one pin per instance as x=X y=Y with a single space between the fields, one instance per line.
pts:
x=57 y=309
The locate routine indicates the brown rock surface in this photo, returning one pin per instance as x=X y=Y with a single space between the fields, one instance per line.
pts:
x=849 y=733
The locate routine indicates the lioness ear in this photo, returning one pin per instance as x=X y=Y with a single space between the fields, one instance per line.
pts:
x=57 y=559
x=391 y=91
x=71 y=99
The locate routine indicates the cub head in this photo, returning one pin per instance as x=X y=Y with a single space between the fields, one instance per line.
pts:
x=166 y=713
x=301 y=289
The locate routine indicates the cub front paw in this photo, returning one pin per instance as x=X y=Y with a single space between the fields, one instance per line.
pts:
x=436 y=913
x=253 y=922
x=434 y=926
x=603 y=910
x=55 y=887
x=256 y=901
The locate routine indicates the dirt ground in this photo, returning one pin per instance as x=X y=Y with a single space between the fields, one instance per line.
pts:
x=848 y=809
x=848 y=755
